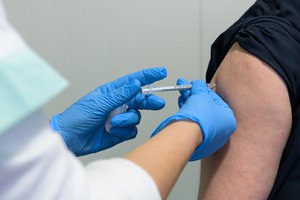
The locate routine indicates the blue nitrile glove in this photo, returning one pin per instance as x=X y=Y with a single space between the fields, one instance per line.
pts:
x=82 y=124
x=205 y=107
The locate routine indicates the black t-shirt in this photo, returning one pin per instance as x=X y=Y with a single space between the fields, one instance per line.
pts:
x=270 y=30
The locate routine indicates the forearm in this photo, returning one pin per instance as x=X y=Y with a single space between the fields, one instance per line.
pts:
x=165 y=155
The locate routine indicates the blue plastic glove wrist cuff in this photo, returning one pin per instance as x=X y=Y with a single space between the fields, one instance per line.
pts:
x=177 y=117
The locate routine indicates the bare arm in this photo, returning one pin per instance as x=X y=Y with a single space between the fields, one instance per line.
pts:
x=166 y=154
x=246 y=167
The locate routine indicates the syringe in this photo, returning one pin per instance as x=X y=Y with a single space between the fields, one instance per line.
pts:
x=149 y=89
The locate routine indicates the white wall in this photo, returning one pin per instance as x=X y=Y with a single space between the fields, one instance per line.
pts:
x=94 y=41
x=217 y=16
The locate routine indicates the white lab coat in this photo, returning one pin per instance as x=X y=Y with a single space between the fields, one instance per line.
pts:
x=35 y=163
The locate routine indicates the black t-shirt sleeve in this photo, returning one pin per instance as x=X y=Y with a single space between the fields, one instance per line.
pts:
x=272 y=38
x=276 y=42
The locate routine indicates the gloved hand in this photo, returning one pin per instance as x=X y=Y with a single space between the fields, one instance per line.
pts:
x=82 y=124
x=205 y=107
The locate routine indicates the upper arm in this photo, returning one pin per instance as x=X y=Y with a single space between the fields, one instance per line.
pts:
x=246 y=167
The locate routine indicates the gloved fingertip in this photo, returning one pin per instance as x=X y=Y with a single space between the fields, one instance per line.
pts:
x=185 y=93
x=128 y=119
x=151 y=75
x=199 y=86
x=182 y=81
x=115 y=121
x=155 y=102
x=147 y=102
x=163 y=71
x=161 y=104
x=233 y=127
x=134 y=134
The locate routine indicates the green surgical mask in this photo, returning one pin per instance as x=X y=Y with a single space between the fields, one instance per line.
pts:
x=27 y=82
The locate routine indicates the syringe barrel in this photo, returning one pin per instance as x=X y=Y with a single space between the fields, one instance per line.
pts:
x=150 y=89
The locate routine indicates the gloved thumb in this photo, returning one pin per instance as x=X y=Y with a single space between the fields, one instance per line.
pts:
x=199 y=87
x=122 y=95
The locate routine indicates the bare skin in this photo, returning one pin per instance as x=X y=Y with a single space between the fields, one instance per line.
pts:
x=246 y=167
x=165 y=155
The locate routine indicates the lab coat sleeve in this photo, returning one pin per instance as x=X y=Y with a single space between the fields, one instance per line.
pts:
x=35 y=164
x=123 y=180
